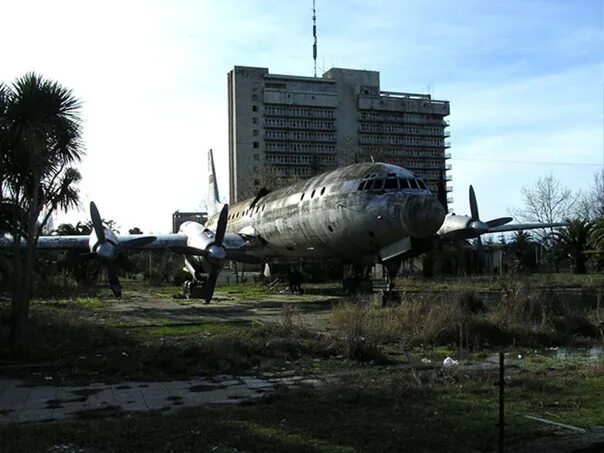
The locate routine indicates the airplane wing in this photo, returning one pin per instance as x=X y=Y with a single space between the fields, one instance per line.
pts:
x=467 y=227
x=524 y=226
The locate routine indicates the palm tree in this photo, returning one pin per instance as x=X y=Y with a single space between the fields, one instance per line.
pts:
x=40 y=130
x=523 y=246
x=574 y=242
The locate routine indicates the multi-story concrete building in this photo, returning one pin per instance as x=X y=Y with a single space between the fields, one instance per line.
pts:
x=282 y=128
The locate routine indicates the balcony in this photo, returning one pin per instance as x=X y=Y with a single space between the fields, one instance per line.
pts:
x=447 y=155
x=448 y=167
x=449 y=188
x=449 y=178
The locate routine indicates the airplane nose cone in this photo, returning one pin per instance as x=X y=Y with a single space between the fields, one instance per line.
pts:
x=423 y=216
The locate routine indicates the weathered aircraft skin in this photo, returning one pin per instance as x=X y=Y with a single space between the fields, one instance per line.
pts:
x=328 y=216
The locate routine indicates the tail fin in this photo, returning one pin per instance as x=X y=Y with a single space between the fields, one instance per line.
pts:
x=214 y=199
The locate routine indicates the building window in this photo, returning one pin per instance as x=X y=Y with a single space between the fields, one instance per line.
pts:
x=255 y=132
x=256 y=144
x=256 y=156
x=254 y=108
x=255 y=120
x=254 y=97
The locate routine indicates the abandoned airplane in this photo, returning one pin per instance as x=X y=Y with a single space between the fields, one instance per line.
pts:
x=360 y=214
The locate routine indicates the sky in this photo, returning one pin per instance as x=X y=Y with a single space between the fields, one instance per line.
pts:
x=525 y=81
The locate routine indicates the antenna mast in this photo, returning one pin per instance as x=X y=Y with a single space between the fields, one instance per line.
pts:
x=314 y=33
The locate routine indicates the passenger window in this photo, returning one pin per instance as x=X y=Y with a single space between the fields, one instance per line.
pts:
x=379 y=184
x=322 y=190
x=422 y=184
x=413 y=183
x=391 y=184
x=362 y=185
x=404 y=183
x=302 y=197
x=312 y=194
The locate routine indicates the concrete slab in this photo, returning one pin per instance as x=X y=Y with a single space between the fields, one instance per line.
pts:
x=33 y=404
x=35 y=415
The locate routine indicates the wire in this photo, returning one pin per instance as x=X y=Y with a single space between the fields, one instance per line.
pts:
x=530 y=162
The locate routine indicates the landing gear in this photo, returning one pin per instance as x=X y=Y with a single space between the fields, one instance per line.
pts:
x=359 y=282
x=192 y=289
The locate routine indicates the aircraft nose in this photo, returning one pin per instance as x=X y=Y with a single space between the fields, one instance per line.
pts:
x=423 y=216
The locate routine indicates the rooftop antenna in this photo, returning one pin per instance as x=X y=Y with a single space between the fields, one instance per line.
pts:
x=314 y=34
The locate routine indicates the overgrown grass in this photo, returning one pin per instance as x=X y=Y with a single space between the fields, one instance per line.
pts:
x=524 y=317
x=72 y=348
x=496 y=282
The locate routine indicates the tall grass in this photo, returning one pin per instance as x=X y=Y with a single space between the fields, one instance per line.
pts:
x=525 y=317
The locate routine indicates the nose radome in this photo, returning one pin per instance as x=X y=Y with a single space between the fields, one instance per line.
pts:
x=423 y=216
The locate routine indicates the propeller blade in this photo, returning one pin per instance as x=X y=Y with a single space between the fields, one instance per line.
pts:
x=222 y=224
x=499 y=222
x=186 y=250
x=473 y=205
x=210 y=284
x=134 y=243
x=97 y=223
x=114 y=282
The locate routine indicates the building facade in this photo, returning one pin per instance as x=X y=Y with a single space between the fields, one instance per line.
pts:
x=283 y=128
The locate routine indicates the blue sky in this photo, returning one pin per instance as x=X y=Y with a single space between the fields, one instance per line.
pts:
x=525 y=80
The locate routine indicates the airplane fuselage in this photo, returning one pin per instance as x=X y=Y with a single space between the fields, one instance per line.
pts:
x=348 y=213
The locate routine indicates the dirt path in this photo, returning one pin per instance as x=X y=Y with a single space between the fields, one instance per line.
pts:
x=139 y=308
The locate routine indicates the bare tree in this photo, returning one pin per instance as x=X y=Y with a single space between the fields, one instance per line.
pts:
x=548 y=201
x=591 y=204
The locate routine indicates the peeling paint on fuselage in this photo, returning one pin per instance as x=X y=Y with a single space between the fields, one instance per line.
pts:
x=327 y=216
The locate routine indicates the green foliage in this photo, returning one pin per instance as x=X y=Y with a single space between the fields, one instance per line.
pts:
x=573 y=241
x=40 y=143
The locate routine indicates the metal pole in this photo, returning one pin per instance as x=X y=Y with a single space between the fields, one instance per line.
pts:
x=501 y=384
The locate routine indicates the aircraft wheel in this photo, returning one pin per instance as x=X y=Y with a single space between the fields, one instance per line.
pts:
x=186 y=289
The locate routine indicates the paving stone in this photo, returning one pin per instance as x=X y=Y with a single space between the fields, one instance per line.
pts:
x=14 y=398
x=127 y=396
x=254 y=383
x=35 y=415
x=136 y=406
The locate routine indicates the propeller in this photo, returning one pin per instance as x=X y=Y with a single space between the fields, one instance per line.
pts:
x=215 y=253
x=477 y=227
x=107 y=250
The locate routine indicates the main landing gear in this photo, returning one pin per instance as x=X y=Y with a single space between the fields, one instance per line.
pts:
x=195 y=289
x=360 y=280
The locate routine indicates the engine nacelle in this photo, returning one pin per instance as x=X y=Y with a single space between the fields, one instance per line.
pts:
x=452 y=224
x=106 y=250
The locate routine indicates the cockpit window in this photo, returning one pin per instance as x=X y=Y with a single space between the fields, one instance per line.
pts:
x=391 y=183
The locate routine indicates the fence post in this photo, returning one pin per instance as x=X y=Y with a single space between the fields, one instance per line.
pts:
x=501 y=385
